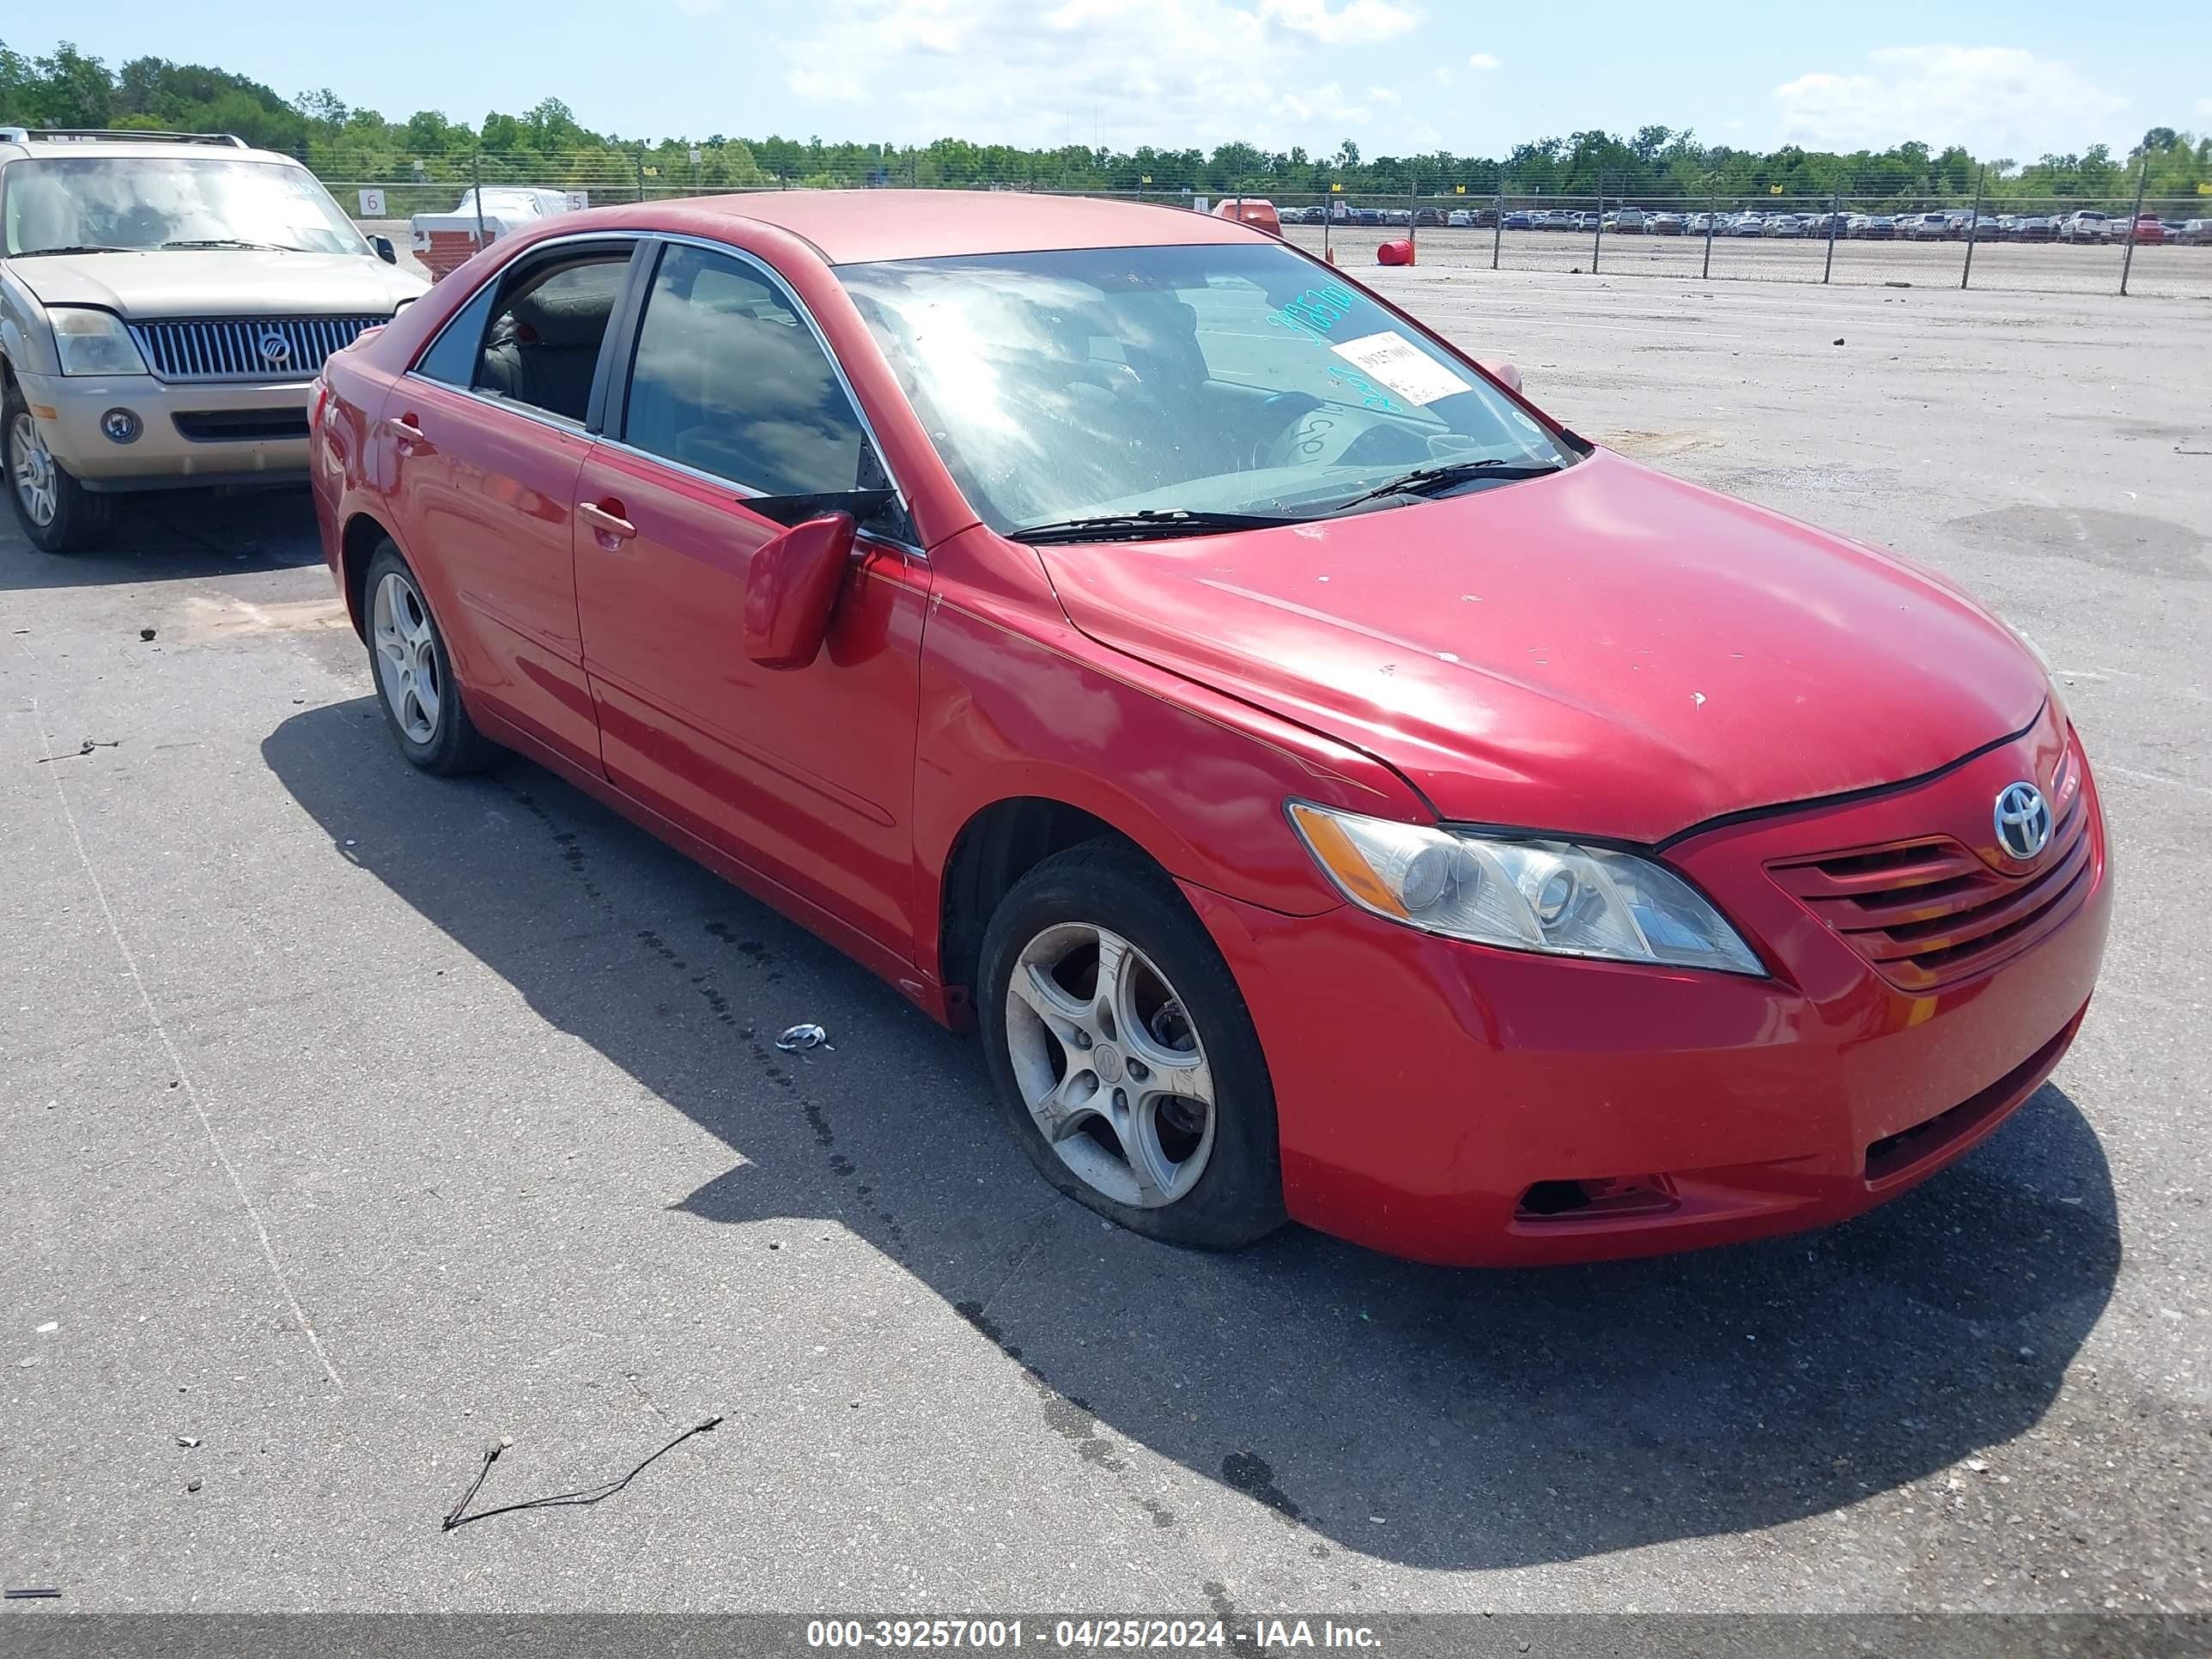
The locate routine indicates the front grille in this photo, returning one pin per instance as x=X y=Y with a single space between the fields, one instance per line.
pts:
x=1927 y=913
x=242 y=348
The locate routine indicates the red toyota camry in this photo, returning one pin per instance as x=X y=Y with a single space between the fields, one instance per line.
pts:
x=1334 y=789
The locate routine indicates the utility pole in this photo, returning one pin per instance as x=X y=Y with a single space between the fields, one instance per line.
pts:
x=1498 y=229
x=1974 y=230
x=1835 y=212
x=476 y=178
x=1712 y=214
x=2128 y=259
x=1597 y=235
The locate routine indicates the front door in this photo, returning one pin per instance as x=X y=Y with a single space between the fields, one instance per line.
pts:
x=731 y=407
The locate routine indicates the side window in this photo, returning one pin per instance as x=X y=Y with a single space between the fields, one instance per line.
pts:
x=451 y=358
x=543 y=345
x=730 y=379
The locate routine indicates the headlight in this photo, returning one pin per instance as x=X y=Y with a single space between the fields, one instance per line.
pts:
x=93 y=342
x=1548 y=896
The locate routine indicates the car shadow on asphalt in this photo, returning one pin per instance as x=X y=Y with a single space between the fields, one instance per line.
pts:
x=1434 y=1418
x=167 y=535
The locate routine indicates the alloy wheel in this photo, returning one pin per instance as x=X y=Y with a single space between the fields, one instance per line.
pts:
x=33 y=470
x=407 y=657
x=1109 y=1064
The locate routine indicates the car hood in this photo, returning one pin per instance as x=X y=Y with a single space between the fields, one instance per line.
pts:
x=219 y=282
x=1607 y=651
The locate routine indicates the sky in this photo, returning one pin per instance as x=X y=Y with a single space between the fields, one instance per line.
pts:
x=1394 y=76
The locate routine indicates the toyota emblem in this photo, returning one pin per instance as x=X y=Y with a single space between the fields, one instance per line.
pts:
x=275 y=348
x=2023 y=821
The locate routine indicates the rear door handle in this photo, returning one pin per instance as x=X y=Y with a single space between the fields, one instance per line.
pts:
x=610 y=526
x=409 y=434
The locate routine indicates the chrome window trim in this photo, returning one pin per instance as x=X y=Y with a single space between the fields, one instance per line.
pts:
x=742 y=491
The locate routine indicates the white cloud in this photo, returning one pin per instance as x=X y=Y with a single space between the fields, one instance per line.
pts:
x=1445 y=77
x=1995 y=101
x=1385 y=96
x=1483 y=60
x=698 y=7
x=1355 y=23
x=2204 y=109
x=1170 y=72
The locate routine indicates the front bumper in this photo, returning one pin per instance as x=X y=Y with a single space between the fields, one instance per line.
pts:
x=189 y=433
x=1434 y=1096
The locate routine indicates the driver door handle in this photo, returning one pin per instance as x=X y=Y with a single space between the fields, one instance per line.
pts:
x=609 y=526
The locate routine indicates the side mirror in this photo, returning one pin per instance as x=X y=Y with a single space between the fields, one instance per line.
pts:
x=1499 y=368
x=384 y=250
x=791 y=589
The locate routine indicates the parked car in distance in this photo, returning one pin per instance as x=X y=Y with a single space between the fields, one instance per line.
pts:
x=2035 y=228
x=1925 y=226
x=1459 y=219
x=166 y=299
x=1666 y=224
x=1700 y=224
x=2196 y=232
x=1251 y=210
x=1783 y=224
x=872 y=558
x=1630 y=222
x=1748 y=224
x=2146 y=229
x=442 y=242
x=1517 y=219
x=2085 y=226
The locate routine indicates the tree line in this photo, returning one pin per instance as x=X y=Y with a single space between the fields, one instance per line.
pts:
x=546 y=144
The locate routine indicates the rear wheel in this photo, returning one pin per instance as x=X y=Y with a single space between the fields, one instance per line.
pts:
x=1123 y=1054
x=413 y=675
x=58 y=513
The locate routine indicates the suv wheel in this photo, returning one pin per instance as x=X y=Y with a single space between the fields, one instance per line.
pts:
x=59 y=514
x=414 y=683
x=1123 y=1054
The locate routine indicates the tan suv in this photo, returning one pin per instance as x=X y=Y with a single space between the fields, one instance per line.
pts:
x=165 y=301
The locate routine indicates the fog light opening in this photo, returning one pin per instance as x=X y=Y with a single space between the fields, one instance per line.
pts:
x=121 y=426
x=1606 y=1199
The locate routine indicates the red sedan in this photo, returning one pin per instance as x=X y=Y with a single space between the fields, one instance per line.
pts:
x=1335 y=789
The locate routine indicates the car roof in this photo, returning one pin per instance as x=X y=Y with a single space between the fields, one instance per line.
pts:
x=197 y=148
x=858 y=226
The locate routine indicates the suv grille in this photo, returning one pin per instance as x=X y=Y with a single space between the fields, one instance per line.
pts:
x=1928 y=912
x=247 y=348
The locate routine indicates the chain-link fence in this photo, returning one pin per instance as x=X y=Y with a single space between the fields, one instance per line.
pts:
x=2128 y=243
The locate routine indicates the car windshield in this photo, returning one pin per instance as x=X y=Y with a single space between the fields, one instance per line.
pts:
x=1215 y=378
x=136 y=203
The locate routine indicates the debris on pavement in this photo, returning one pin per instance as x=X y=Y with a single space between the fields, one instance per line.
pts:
x=85 y=748
x=800 y=1037
x=193 y=1486
x=34 y=1593
x=187 y=1443
x=145 y=633
x=459 y=1517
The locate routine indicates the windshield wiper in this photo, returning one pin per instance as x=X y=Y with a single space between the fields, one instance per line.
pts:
x=233 y=241
x=1429 y=480
x=1139 y=527
x=82 y=247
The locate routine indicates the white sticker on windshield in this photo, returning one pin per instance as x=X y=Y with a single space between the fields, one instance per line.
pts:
x=1403 y=367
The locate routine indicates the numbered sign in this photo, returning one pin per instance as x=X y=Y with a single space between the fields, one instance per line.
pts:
x=372 y=204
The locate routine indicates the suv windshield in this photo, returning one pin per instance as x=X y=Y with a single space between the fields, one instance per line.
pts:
x=1211 y=379
x=133 y=203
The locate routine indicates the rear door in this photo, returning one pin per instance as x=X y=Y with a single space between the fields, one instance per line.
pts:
x=484 y=439
x=732 y=408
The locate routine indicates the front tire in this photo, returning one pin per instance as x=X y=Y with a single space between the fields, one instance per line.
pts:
x=1125 y=1059
x=58 y=513
x=414 y=683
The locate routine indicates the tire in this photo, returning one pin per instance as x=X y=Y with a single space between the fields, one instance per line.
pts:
x=57 y=513
x=1216 y=1187
x=415 y=684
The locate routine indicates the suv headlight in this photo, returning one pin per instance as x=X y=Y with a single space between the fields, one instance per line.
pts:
x=93 y=341
x=1548 y=896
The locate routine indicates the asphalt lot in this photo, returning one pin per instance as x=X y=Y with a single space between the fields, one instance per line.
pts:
x=354 y=1120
